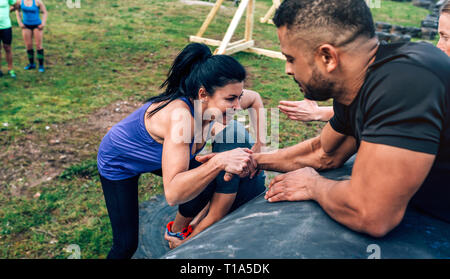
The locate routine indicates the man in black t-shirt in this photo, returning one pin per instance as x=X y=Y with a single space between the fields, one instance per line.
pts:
x=392 y=107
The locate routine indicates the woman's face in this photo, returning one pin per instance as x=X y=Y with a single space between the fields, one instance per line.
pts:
x=225 y=100
x=444 y=33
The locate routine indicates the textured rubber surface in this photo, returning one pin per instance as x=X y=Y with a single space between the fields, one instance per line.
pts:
x=260 y=229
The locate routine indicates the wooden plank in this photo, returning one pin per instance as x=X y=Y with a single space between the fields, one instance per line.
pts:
x=249 y=20
x=266 y=52
x=234 y=23
x=212 y=42
x=206 y=41
x=260 y=51
x=268 y=14
x=209 y=18
x=239 y=47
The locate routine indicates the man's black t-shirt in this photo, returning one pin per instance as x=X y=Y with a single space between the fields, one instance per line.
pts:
x=405 y=102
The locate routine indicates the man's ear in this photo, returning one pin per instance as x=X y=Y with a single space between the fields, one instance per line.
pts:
x=328 y=57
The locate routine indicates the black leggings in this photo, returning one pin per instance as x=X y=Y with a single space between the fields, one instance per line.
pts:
x=121 y=198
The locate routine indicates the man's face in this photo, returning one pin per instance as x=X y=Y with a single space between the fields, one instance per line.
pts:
x=302 y=66
x=444 y=33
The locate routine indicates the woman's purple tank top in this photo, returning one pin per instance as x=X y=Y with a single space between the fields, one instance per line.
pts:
x=128 y=149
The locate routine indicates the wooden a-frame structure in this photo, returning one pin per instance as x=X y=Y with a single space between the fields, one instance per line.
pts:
x=246 y=44
x=268 y=17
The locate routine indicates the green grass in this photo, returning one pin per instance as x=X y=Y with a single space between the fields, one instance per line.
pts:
x=105 y=51
x=70 y=210
x=404 y=14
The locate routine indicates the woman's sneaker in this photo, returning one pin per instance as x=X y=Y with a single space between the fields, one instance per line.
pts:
x=30 y=67
x=41 y=69
x=180 y=235
x=12 y=74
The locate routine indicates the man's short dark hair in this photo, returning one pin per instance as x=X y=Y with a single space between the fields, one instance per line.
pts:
x=445 y=9
x=341 y=20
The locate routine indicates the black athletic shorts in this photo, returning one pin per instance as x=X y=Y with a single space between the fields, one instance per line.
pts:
x=31 y=27
x=6 y=36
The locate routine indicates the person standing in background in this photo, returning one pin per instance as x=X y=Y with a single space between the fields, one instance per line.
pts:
x=6 y=33
x=444 y=28
x=33 y=26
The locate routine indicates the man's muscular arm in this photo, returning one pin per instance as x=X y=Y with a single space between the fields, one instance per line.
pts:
x=384 y=179
x=329 y=150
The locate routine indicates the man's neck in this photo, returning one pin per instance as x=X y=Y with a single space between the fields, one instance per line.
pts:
x=359 y=60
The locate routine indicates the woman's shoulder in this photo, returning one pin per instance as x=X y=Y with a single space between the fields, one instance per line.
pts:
x=173 y=113
x=176 y=105
x=39 y=3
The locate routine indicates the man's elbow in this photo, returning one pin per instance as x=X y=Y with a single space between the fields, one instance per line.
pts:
x=379 y=226
x=327 y=161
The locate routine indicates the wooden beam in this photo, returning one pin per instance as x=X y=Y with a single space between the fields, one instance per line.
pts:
x=206 y=41
x=239 y=47
x=212 y=42
x=270 y=12
x=260 y=51
x=249 y=20
x=209 y=18
x=246 y=44
x=266 y=52
x=234 y=23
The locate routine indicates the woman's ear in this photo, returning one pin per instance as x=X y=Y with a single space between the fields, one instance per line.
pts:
x=202 y=95
x=328 y=57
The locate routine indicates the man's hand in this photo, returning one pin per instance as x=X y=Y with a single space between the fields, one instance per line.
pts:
x=305 y=111
x=293 y=186
x=41 y=26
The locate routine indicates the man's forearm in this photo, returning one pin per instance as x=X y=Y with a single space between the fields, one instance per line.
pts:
x=339 y=202
x=304 y=154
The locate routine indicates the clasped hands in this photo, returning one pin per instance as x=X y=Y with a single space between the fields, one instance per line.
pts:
x=296 y=185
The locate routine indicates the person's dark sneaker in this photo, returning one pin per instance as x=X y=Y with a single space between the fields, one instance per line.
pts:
x=41 y=69
x=12 y=74
x=30 y=67
x=1 y=74
x=180 y=235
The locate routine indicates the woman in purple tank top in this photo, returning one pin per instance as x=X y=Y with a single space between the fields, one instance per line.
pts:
x=165 y=135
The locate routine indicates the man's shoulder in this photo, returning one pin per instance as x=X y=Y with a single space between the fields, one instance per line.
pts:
x=417 y=60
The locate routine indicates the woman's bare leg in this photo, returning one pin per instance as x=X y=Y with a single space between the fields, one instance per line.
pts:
x=180 y=222
x=38 y=37
x=27 y=35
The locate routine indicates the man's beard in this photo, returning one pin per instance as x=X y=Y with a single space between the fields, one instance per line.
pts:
x=318 y=87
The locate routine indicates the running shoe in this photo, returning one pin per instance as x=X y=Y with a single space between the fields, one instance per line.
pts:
x=180 y=235
x=41 y=69
x=30 y=66
x=12 y=74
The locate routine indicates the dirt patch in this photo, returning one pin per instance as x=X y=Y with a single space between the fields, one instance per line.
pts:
x=37 y=158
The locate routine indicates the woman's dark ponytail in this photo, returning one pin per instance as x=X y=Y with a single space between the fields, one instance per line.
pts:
x=195 y=67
